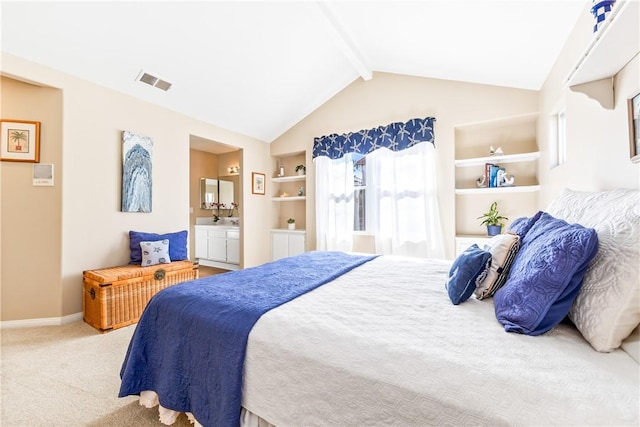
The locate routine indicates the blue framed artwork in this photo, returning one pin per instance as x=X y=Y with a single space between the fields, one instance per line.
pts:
x=137 y=162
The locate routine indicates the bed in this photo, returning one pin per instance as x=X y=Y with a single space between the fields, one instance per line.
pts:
x=378 y=341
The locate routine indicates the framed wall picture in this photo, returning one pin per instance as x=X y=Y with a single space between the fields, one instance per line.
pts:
x=137 y=172
x=20 y=141
x=634 y=128
x=257 y=183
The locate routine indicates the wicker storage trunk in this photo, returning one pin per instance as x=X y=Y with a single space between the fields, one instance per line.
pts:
x=115 y=297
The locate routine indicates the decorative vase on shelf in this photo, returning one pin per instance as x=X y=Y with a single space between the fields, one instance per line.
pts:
x=292 y=226
x=494 y=230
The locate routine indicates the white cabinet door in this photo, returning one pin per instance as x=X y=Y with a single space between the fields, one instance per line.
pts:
x=296 y=244
x=202 y=245
x=463 y=243
x=233 y=251
x=217 y=248
x=279 y=246
x=284 y=244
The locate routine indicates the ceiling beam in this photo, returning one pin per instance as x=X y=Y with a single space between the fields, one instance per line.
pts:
x=344 y=42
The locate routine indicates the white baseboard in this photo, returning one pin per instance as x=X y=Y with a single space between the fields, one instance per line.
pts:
x=35 y=323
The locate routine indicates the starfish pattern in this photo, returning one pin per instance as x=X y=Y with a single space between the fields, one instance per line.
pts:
x=395 y=136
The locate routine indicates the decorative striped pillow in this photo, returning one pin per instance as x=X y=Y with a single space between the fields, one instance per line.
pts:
x=503 y=249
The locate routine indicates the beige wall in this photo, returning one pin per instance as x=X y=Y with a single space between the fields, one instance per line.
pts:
x=391 y=98
x=93 y=231
x=30 y=272
x=597 y=138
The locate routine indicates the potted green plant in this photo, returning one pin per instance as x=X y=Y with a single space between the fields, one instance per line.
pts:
x=493 y=220
x=301 y=169
x=291 y=223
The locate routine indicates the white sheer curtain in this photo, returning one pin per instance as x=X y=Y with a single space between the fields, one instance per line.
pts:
x=402 y=202
x=334 y=203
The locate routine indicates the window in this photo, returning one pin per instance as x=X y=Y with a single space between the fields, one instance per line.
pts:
x=558 y=139
x=360 y=192
x=562 y=137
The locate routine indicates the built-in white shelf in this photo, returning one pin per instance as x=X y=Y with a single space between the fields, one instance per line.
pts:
x=506 y=158
x=288 y=198
x=498 y=190
x=292 y=178
x=612 y=47
x=288 y=230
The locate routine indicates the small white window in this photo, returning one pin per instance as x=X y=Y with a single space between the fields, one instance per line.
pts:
x=562 y=137
x=558 y=139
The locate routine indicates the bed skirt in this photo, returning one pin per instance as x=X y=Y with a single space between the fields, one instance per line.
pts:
x=149 y=399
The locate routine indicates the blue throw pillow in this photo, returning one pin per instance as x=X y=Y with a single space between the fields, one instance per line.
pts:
x=467 y=272
x=522 y=225
x=177 y=244
x=546 y=275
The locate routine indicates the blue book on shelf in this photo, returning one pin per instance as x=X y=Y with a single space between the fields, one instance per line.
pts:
x=493 y=176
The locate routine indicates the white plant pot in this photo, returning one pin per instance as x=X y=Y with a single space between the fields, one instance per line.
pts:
x=300 y=172
x=292 y=226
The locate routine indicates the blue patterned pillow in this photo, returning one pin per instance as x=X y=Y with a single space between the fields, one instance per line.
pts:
x=155 y=252
x=546 y=275
x=522 y=225
x=467 y=272
x=177 y=246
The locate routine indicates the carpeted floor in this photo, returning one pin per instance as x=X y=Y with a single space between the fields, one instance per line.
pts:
x=67 y=376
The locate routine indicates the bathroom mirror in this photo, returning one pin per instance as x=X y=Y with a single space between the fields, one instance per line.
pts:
x=217 y=190
x=232 y=190
x=208 y=192
x=225 y=192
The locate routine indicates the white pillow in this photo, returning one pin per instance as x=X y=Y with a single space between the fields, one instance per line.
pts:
x=503 y=249
x=607 y=308
x=155 y=252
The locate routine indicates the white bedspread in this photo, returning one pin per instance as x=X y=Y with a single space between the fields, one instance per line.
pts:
x=384 y=345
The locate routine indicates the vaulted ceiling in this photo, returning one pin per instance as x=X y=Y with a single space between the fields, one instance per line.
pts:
x=258 y=68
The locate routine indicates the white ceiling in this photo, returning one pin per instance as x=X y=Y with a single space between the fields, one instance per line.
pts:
x=258 y=68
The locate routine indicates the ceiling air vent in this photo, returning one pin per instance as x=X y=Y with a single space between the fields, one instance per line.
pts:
x=153 y=81
x=161 y=84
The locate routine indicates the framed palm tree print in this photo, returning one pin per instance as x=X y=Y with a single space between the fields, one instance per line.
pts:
x=20 y=141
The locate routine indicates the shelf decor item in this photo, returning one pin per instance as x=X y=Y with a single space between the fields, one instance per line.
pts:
x=301 y=169
x=20 y=141
x=291 y=224
x=493 y=220
x=601 y=10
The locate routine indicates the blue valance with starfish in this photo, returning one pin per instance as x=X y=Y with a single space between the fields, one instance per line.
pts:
x=395 y=136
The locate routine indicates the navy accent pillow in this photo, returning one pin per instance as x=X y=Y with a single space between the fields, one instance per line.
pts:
x=546 y=275
x=177 y=244
x=467 y=272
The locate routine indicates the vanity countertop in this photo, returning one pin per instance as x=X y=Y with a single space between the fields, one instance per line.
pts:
x=221 y=226
x=229 y=222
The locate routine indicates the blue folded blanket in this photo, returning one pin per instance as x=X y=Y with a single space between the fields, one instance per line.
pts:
x=190 y=342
